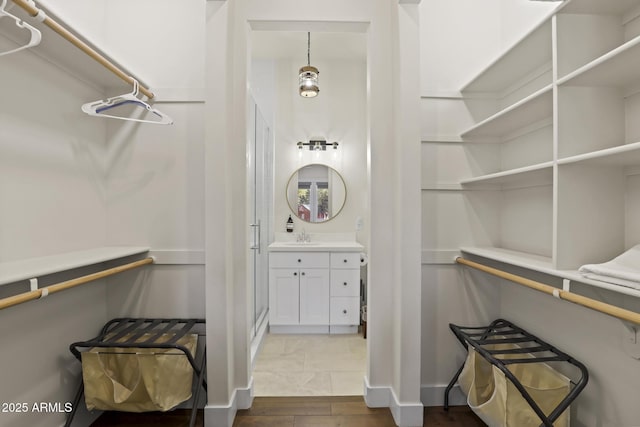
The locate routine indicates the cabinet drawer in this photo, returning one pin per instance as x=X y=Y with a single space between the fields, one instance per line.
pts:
x=345 y=283
x=345 y=311
x=299 y=259
x=345 y=260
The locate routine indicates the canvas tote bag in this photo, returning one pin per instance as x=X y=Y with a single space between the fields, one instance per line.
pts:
x=499 y=403
x=138 y=379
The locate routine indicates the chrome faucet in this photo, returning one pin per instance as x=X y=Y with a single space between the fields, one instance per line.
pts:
x=303 y=237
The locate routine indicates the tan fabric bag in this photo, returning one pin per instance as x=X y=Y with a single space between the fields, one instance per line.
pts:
x=138 y=379
x=499 y=403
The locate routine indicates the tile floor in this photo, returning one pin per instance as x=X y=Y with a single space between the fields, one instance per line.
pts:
x=310 y=365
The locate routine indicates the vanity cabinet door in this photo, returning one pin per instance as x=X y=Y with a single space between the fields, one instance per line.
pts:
x=314 y=297
x=284 y=296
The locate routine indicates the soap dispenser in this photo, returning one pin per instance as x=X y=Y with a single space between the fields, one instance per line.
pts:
x=290 y=225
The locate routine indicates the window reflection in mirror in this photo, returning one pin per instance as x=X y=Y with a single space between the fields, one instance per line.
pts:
x=316 y=193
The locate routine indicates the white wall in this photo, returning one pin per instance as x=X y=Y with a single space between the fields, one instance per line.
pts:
x=337 y=114
x=155 y=174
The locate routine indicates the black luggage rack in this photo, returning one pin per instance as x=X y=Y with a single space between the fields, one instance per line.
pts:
x=537 y=351
x=136 y=333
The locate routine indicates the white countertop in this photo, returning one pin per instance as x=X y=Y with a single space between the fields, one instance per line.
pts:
x=319 y=242
x=319 y=246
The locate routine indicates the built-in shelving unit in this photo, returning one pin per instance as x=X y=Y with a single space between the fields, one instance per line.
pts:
x=25 y=269
x=569 y=150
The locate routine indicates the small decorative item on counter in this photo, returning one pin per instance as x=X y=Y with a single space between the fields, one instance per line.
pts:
x=290 y=225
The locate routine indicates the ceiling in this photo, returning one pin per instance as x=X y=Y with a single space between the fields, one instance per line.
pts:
x=293 y=45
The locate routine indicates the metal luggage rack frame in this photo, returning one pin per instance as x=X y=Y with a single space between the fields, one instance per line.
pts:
x=501 y=331
x=142 y=333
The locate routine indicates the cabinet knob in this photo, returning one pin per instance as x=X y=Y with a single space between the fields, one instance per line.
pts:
x=345 y=283
x=344 y=311
x=345 y=261
x=302 y=273
x=299 y=260
x=295 y=274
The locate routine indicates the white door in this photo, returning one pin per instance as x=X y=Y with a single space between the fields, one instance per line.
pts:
x=284 y=296
x=314 y=296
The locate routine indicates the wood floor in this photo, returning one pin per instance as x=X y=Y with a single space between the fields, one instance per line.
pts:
x=299 y=412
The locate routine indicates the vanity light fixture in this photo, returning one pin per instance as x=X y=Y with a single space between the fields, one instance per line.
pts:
x=316 y=145
x=308 y=78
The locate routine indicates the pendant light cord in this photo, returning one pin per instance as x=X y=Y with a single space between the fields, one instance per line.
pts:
x=309 y=49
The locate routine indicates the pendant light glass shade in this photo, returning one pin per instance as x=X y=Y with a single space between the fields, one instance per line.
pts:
x=308 y=78
x=309 y=81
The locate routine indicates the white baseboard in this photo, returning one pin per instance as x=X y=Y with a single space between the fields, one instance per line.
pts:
x=404 y=414
x=433 y=395
x=244 y=396
x=376 y=397
x=223 y=415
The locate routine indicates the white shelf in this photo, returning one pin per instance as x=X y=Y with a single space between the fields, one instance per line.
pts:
x=15 y=271
x=603 y=7
x=532 y=52
x=575 y=276
x=529 y=111
x=55 y=49
x=623 y=155
x=543 y=265
x=541 y=174
x=519 y=259
x=617 y=68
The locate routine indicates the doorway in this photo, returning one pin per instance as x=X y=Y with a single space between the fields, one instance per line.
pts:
x=297 y=364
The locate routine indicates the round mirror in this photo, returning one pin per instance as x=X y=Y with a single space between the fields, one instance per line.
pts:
x=316 y=193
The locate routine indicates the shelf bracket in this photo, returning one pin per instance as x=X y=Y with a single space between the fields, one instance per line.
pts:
x=33 y=285
x=631 y=340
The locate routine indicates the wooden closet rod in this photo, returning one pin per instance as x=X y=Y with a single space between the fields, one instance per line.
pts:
x=28 y=296
x=611 y=310
x=33 y=11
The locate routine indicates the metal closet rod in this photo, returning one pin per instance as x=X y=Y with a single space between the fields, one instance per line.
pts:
x=33 y=11
x=39 y=293
x=611 y=310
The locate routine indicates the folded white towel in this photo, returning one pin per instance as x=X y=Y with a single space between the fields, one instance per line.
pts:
x=623 y=270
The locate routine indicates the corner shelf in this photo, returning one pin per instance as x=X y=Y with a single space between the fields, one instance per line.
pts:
x=529 y=111
x=520 y=259
x=608 y=7
x=541 y=174
x=532 y=52
x=25 y=269
x=623 y=155
x=617 y=68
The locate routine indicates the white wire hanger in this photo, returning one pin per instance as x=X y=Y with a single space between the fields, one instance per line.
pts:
x=36 y=35
x=100 y=108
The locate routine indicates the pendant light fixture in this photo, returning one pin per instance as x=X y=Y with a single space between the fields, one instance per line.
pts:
x=308 y=79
